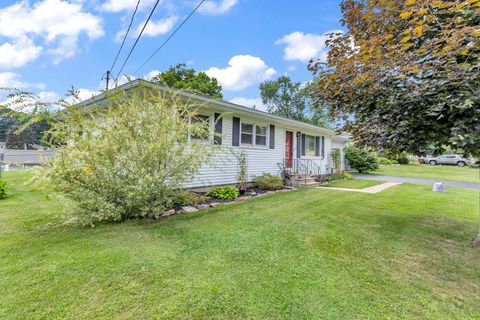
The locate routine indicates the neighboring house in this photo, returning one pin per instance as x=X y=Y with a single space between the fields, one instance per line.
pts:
x=270 y=143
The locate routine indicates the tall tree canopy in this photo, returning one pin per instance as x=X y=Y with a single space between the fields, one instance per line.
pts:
x=406 y=75
x=187 y=79
x=293 y=100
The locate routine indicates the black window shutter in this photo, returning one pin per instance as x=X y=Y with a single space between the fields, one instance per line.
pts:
x=299 y=144
x=317 y=146
x=272 y=136
x=323 y=146
x=218 y=128
x=236 y=132
x=303 y=144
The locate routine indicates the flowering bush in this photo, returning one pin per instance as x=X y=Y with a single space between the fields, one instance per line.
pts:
x=125 y=159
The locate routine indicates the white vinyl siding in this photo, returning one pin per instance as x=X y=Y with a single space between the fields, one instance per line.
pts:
x=224 y=168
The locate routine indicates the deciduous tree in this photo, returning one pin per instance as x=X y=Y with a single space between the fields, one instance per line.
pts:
x=180 y=77
x=406 y=75
x=292 y=100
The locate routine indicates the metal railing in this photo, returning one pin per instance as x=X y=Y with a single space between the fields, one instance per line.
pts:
x=303 y=167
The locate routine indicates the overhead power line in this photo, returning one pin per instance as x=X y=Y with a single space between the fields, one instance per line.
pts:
x=138 y=38
x=125 y=36
x=171 y=35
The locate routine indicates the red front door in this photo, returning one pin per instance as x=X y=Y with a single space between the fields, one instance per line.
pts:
x=288 y=149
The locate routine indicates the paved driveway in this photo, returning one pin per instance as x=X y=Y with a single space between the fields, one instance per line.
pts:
x=461 y=184
x=27 y=157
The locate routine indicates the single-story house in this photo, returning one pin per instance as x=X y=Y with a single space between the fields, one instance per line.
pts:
x=270 y=143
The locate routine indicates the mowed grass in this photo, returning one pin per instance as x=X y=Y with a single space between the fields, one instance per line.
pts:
x=353 y=184
x=431 y=172
x=404 y=253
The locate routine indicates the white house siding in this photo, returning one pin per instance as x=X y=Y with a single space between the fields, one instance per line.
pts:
x=322 y=163
x=224 y=168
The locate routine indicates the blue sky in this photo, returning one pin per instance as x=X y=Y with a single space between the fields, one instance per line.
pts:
x=47 y=46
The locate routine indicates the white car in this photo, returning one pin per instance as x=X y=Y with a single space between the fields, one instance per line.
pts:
x=449 y=159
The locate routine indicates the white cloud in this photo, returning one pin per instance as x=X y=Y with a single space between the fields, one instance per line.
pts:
x=85 y=94
x=250 y=102
x=305 y=46
x=48 y=96
x=155 y=28
x=18 y=53
x=217 y=7
x=242 y=72
x=57 y=22
x=66 y=48
x=12 y=80
x=120 y=5
x=151 y=74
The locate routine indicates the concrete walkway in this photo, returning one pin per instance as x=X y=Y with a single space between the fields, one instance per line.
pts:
x=460 y=184
x=372 y=189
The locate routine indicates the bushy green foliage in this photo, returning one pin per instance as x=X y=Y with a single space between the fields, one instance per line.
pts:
x=224 y=193
x=187 y=198
x=268 y=181
x=361 y=159
x=242 y=172
x=402 y=159
x=336 y=158
x=384 y=161
x=339 y=176
x=180 y=77
x=3 y=189
x=125 y=160
x=394 y=161
x=473 y=165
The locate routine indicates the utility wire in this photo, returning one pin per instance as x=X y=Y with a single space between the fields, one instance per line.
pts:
x=138 y=38
x=168 y=39
x=125 y=37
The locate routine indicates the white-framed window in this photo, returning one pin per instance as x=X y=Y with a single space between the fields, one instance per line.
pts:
x=200 y=118
x=253 y=134
x=246 y=133
x=261 y=136
x=309 y=145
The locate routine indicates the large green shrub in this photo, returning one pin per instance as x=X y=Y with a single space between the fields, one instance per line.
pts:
x=268 y=181
x=384 y=161
x=3 y=189
x=224 y=193
x=361 y=159
x=126 y=159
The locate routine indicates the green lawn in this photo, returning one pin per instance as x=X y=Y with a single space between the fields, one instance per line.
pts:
x=431 y=172
x=404 y=253
x=353 y=184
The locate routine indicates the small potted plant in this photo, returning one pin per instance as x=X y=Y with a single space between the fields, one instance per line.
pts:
x=242 y=173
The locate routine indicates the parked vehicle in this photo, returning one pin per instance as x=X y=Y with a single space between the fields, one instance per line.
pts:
x=449 y=159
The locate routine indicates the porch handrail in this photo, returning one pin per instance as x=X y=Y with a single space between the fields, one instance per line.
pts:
x=305 y=167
